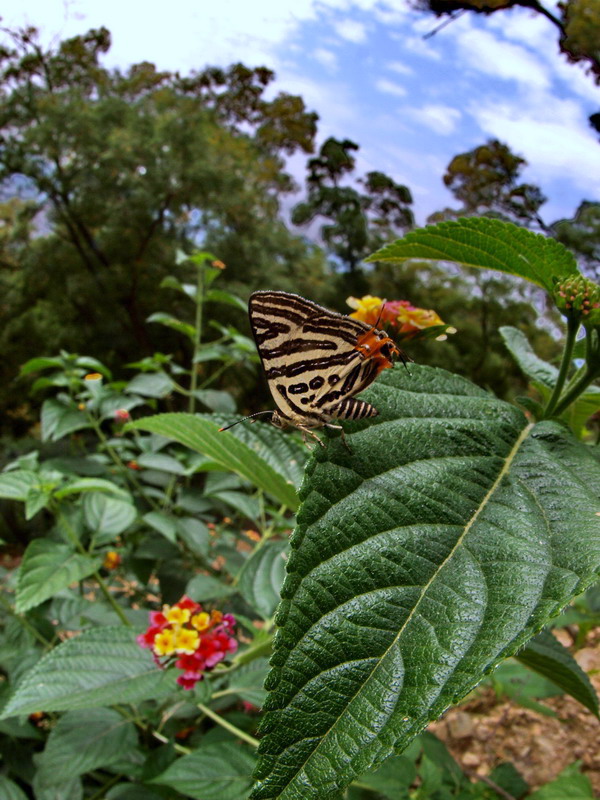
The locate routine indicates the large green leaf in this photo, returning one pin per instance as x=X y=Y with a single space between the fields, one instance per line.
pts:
x=100 y=667
x=486 y=243
x=214 y=772
x=280 y=450
x=48 y=567
x=202 y=434
x=547 y=656
x=446 y=539
x=17 y=485
x=85 y=740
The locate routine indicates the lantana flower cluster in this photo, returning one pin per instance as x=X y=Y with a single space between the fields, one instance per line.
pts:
x=193 y=640
x=406 y=319
x=578 y=298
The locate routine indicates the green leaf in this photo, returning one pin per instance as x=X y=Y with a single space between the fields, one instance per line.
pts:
x=17 y=484
x=163 y=523
x=174 y=323
x=247 y=506
x=42 y=362
x=393 y=778
x=73 y=789
x=221 y=296
x=90 y=485
x=489 y=244
x=216 y=400
x=204 y=587
x=161 y=462
x=195 y=534
x=171 y=282
x=48 y=567
x=547 y=656
x=510 y=779
x=280 y=450
x=219 y=771
x=85 y=740
x=570 y=785
x=248 y=680
x=534 y=367
x=202 y=435
x=9 y=790
x=440 y=545
x=100 y=667
x=153 y=384
x=107 y=516
x=58 y=419
x=261 y=577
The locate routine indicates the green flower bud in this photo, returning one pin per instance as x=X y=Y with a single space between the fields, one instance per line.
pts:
x=578 y=298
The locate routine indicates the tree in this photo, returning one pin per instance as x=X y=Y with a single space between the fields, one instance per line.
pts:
x=123 y=169
x=485 y=181
x=359 y=222
x=582 y=235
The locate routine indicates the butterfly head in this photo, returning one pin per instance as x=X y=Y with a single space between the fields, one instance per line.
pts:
x=377 y=345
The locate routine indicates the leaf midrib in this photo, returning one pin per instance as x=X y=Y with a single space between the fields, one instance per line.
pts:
x=505 y=467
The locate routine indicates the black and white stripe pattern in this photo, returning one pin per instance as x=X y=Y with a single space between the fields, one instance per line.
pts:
x=310 y=358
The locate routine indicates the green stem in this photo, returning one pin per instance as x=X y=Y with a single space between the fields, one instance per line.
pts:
x=96 y=575
x=228 y=726
x=256 y=651
x=586 y=379
x=197 y=336
x=104 y=789
x=118 y=461
x=572 y=328
x=25 y=622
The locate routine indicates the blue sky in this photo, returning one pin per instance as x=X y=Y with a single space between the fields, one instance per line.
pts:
x=363 y=65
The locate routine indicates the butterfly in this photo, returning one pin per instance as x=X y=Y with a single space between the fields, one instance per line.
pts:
x=315 y=361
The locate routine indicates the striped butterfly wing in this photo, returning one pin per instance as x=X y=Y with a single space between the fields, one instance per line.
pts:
x=311 y=360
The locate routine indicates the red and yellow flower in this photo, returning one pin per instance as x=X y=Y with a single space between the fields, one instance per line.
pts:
x=407 y=319
x=192 y=639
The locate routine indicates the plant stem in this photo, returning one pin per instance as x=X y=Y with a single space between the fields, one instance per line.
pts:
x=96 y=575
x=108 y=785
x=24 y=622
x=228 y=726
x=575 y=391
x=256 y=651
x=197 y=336
x=117 y=460
x=572 y=328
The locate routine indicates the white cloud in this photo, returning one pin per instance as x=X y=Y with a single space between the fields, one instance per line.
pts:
x=553 y=136
x=351 y=30
x=390 y=87
x=400 y=68
x=418 y=46
x=485 y=53
x=441 y=119
x=325 y=57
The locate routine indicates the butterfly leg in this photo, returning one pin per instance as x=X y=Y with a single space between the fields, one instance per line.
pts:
x=343 y=435
x=310 y=433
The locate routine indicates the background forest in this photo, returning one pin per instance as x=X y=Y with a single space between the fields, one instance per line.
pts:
x=124 y=194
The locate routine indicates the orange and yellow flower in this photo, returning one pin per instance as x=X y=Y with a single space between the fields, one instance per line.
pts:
x=189 y=638
x=408 y=320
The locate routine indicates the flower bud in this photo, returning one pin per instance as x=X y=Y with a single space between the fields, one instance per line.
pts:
x=578 y=298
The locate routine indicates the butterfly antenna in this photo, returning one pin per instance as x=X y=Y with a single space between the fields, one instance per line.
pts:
x=250 y=416
x=383 y=302
x=405 y=360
